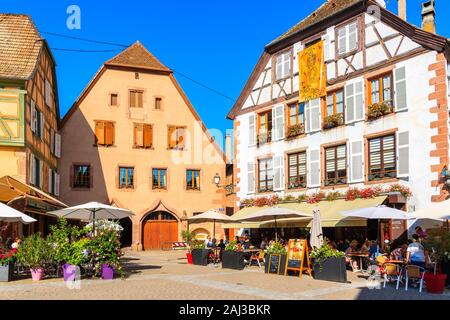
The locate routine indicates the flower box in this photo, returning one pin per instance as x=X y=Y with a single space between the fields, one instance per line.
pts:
x=233 y=260
x=333 y=121
x=295 y=130
x=264 y=138
x=200 y=257
x=331 y=269
x=6 y=272
x=378 y=110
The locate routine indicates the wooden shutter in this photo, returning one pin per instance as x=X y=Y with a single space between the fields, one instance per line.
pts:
x=278 y=169
x=140 y=99
x=314 y=168
x=57 y=184
x=252 y=130
x=41 y=174
x=49 y=181
x=171 y=139
x=313 y=115
x=250 y=177
x=401 y=102
x=181 y=138
x=52 y=141
x=356 y=157
x=42 y=126
x=48 y=93
x=403 y=154
x=359 y=101
x=32 y=170
x=342 y=40
x=329 y=47
x=139 y=135
x=100 y=132
x=132 y=99
x=278 y=122
x=109 y=133
x=33 y=116
x=148 y=136
x=57 y=145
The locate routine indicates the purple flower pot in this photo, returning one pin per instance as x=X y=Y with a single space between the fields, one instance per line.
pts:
x=69 y=272
x=107 y=272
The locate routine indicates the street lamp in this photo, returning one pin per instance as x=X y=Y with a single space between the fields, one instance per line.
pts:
x=217 y=180
x=228 y=188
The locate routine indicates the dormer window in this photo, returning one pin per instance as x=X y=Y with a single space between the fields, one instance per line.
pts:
x=283 y=65
x=347 y=38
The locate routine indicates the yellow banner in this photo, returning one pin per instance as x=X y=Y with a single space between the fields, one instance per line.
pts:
x=312 y=77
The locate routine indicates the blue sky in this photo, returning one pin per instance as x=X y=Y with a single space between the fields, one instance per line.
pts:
x=215 y=42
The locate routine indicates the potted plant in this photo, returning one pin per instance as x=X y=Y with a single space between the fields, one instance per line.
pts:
x=7 y=259
x=377 y=110
x=333 y=121
x=233 y=257
x=199 y=253
x=276 y=248
x=438 y=245
x=188 y=237
x=329 y=264
x=35 y=253
x=295 y=130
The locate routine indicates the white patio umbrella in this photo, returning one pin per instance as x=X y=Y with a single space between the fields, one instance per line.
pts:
x=378 y=212
x=316 y=238
x=208 y=216
x=274 y=213
x=435 y=211
x=92 y=211
x=9 y=214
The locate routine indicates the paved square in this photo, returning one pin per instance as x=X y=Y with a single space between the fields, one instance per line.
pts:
x=167 y=276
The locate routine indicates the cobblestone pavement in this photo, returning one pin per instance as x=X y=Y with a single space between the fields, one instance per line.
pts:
x=166 y=275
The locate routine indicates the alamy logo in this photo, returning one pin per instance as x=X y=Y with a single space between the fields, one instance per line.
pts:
x=74 y=19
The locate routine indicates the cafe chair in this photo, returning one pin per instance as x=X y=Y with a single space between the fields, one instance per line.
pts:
x=391 y=271
x=414 y=273
x=259 y=258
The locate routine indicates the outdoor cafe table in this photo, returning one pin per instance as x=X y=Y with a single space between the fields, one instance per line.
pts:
x=361 y=257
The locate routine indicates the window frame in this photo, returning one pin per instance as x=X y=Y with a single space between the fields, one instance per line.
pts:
x=127 y=178
x=305 y=183
x=268 y=126
x=285 y=74
x=382 y=152
x=335 y=181
x=160 y=99
x=297 y=114
x=135 y=138
x=346 y=25
x=266 y=176
x=325 y=104
x=105 y=122
x=158 y=186
x=380 y=79
x=111 y=95
x=137 y=92
x=177 y=142
x=193 y=186
x=74 y=179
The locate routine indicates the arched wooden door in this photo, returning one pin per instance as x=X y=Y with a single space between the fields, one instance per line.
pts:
x=160 y=229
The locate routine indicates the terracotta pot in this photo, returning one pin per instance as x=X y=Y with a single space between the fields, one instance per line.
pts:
x=37 y=274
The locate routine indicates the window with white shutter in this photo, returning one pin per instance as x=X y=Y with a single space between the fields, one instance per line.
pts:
x=33 y=119
x=336 y=165
x=58 y=145
x=354 y=102
x=313 y=168
x=32 y=171
x=348 y=38
x=52 y=141
x=265 y=175
x=48 y=93
x=401 y=102
x=57 y=184
x=283 y=65
x=403 y=154
x=382 y=158
x=278 y=167
x=297 y=170
x=40 y=183
x=328 y=40
x=278 y=122
x=251 y=177
x=251 y=130
x=313 y=116
x=356 y=157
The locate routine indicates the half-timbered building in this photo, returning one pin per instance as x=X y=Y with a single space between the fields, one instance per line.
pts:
x=353 y=96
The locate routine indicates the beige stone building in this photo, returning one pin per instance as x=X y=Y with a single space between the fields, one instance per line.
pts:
x=134 y=140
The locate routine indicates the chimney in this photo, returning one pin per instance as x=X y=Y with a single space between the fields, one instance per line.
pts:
x=228 y=152
x=402 y=9
x=428 y=16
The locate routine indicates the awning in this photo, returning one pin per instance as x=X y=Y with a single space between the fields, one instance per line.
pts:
x=13 y=190
x=330 y=212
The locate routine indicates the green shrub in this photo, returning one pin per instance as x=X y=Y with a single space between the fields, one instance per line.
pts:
x=35 y=252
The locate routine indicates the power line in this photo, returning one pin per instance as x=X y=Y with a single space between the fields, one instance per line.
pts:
x=84 y=51
x=84 y=39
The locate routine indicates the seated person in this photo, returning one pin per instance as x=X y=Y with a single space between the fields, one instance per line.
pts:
x=221 y=245
x=352 y=249
x=416 y=252
x=247 y=244
x=365 y=248
x=263 y=244
x=399 y=254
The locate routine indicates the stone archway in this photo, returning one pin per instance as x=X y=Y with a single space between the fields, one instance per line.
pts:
x=159 y=230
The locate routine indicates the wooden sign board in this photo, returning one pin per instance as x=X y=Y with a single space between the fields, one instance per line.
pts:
x=297 y=254
x=274 y=263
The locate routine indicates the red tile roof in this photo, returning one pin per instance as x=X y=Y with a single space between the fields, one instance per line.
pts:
x=20 y=45
x=137 y=56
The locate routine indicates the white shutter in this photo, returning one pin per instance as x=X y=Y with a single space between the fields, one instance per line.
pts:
x=41 y=174
x=326 y=46
x=57 y=145
x=50 y=181
x=42 y=126
x=354 y=102
x=48 y=95
x=33 y=116
x=313 y=115
x=329 y=49
x=400 y=89
x=278 y=122
x=57 y=184
x=352 y=34
x=32 y=170
x=342 y=40
x=251 y=177
x=313 y=168
x=251 y=130
x=403 y=154
x=356 y=156
x=52 y=141
x=278 y=167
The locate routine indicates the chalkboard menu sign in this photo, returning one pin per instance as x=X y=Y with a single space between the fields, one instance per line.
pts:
x=298 y=254
x=274 y=263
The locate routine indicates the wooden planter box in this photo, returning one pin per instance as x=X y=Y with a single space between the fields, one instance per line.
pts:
x=283 y=261
x=200 y=257
x=332 y=269
x=233 y=260
x=6 y=272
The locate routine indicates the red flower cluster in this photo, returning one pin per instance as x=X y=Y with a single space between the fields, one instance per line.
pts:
x=7 y=256
x=315 y=198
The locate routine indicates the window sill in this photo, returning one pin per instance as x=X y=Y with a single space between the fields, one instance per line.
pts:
x=297 y=189
x=337 y=186
x=386 y=180
x=142 y=148
x=104 y=146
x=159 y=189
x=176 y=149
x=126 y=189
x=391 y=114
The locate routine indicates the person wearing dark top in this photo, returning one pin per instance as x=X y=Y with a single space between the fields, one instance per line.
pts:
x=247 y=244
x=221 y=246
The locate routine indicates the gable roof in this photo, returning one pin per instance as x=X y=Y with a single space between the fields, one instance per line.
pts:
x=20 y=46
x=137 y=56
x=326 y=10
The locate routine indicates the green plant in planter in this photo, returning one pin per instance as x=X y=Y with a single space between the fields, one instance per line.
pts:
x=231 y=246
x=35 y=252
x=63 y=236
x=438 y=245
x=276 y=248
x=325 y=252
x=187 y=236
x=295 y=130
x=333 y=120
x=197 y=244
x=377 y=110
